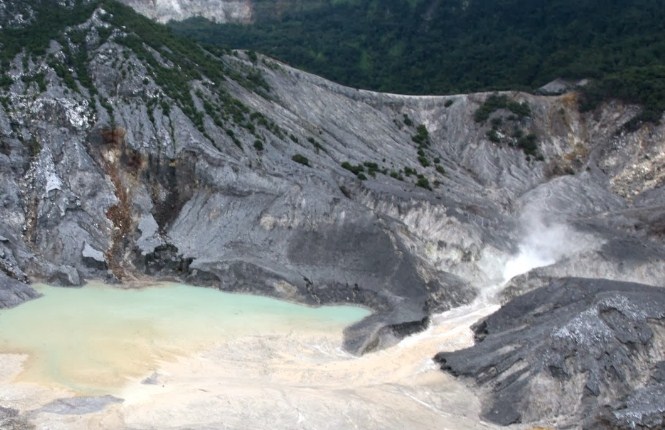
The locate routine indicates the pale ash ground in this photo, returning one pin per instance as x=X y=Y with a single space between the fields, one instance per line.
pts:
x=285 y=371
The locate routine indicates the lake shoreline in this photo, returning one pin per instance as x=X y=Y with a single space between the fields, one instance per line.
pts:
x=300 y=379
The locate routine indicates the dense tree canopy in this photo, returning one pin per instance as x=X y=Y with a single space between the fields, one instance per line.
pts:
x=422 y=46
x=449 y=46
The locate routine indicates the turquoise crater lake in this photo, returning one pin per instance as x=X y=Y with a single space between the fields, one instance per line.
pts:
x=94 y=339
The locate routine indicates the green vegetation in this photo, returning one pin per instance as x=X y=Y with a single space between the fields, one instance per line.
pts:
x=423 y=140
x=372 y=168
x=317 y=146
x=298 y=158
x=40 y=78
x=493 y=135
x=396 y=175
x=173 y=63
x=435 y=47
x=233 y=137
x=423 y=161
x=501 y=124
x=34 y=38
x=422 y=136
x=495 y=102
x=5 y=81
x=353 y=169
x=34 y=147
x=422 y=182
x=359 y=170
x=404 y=46
x=528 y=144
x=147 y=37
x=642 y=85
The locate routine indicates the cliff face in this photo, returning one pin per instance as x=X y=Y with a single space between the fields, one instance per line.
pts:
x=125 y=155
x=221 y=11
x=239 y=11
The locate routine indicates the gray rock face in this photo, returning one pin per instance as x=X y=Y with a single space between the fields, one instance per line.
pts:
x=93 y=257
x=178 y=10
x=643 y=408
x=560 y=86
x=66 y=276
x=582 y=352
x=13 y=293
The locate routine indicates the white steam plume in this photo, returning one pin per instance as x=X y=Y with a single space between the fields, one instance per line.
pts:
x=543 y=243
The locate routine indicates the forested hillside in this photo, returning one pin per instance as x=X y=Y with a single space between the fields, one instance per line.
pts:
x=453 y=46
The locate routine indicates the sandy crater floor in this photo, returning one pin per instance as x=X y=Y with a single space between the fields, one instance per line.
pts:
x=291 y=380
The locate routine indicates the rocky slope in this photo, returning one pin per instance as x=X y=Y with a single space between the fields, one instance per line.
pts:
x=594 y=344
x=125 y=153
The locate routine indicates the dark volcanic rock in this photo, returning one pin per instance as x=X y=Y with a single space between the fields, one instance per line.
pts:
x=576 y=351
x=642 y=409
x=93 y=257
x=65 y=276
x=13 y=292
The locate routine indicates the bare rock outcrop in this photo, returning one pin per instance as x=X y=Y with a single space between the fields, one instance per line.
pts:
x=239 y=11
x=580 y=353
